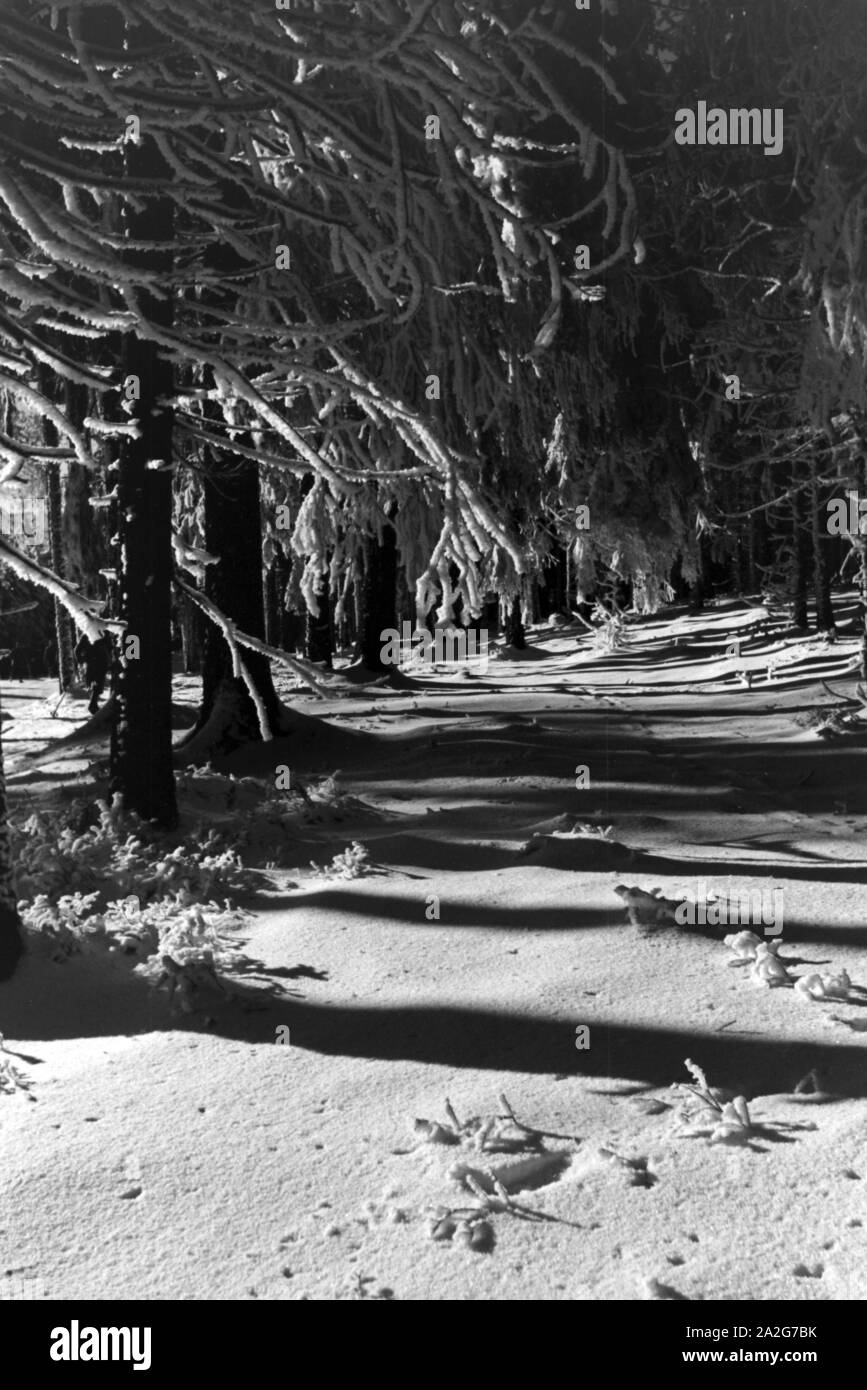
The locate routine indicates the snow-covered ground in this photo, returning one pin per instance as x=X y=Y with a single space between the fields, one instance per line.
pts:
x=401 y=1043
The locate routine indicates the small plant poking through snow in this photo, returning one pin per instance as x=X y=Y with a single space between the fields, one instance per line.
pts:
x=609 y=630
x=596 y=832
x=60 y=928
x=11 y=1079
x=726 y=1121
x=744 y=945
x=351 y=863
x=766 y=970
x=831 y=986
x=191 y=948
x=493 y=1185
x=724 y=1118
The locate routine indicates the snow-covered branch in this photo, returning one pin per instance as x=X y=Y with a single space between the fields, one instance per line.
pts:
x=82 y=610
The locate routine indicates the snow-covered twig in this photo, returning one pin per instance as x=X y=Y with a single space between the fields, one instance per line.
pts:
x=80 y=609
x=243 y=640
x=239 y=669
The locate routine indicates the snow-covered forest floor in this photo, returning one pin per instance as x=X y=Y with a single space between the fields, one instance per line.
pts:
x=148 y=1152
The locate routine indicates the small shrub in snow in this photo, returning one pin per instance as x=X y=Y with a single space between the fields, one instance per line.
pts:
x=767 y=970
x=583 y=829
x=118 y=857
x=721 y=1120
x=352 y=863
x=60 y=928
x=609 y=634
x=12 y=1080
x=830 y=986
x=191 y=949
x=196 y=935
x=117 y=886
x=744 y=945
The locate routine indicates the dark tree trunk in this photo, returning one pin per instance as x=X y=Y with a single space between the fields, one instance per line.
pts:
x=377 y=597
x=758 y=549
x=270 y=598
x=821 y=568
x=11 y=937
x=233 y=532
x=85 y=529
x=800 y=561
x=63 y=638
x=861 y=546
x=279 y=629
x=189 y=620
x=318 y=637
x=62 y=621
x=141 y=744
x=513 y=628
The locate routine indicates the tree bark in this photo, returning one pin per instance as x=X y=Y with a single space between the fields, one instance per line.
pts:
x=513 y=627
x=318 y=638
x=800 y=561
x=62 y=621
x=189 y=620
x=821 y=569
x=11 y=936
x=141 y=745
x=63 y=637
x=233 y=532
x=377 y=597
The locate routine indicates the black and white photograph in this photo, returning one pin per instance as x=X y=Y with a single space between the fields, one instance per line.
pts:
x=433 y=662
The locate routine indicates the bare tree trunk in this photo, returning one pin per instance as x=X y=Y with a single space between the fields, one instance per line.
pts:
x=11 y=938
x=377 y=597
x=859 y=543
x=189 y=619
x=821 y=576
x=63 y=636
x=233 y=532
x=62 y=621
x=567 y=605
x=141 y=745
x=513 y=628
x=800 y=561
x=318 y=637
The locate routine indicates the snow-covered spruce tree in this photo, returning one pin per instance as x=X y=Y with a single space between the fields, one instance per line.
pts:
x=381 y=151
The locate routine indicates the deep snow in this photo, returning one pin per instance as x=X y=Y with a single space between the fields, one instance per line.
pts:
x=155 y=1154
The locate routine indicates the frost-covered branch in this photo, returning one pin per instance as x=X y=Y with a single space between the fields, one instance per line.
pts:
x=237 y=639
x=79 y=608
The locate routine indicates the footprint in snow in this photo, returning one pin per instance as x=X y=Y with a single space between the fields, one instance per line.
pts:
x=131 y=1186
x=654 y=1289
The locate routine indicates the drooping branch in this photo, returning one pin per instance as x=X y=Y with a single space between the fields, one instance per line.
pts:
x=236 y=639
x=80 y=609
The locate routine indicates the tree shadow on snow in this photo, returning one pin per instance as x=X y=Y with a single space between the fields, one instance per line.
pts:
x=96 y=996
